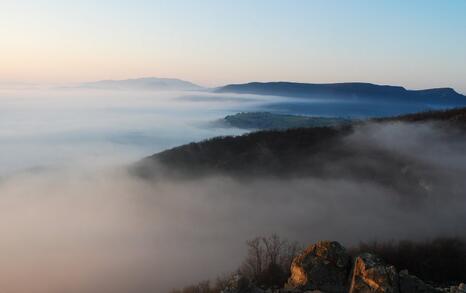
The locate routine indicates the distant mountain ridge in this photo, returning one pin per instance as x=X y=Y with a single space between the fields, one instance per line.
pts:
x=147 y=83
x=348 y=90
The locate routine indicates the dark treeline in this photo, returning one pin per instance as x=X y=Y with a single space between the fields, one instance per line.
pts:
x=441 y=261
x=456 y=115
x=263 y=152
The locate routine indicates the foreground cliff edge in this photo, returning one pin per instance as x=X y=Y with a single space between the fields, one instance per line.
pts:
x=327 y=267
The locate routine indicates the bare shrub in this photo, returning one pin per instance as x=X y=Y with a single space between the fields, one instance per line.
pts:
x=268 y=261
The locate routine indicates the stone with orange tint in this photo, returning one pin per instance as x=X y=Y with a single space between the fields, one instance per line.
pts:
x=323 y=266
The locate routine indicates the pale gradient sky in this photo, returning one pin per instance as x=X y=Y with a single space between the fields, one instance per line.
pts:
x=412 y=43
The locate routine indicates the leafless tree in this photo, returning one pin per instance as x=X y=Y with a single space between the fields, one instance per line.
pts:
x=267 y=265
x=255 y=258
x=267 y=257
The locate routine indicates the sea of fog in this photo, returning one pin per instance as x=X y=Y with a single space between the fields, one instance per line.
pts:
x=42 y=128
x=45 y=127
x=73 y=220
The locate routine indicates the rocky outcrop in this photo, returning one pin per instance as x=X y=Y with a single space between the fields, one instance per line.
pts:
x=371 y=274
x=326 y=267
x=322 y=266
x=461 y=288
x=410 y=283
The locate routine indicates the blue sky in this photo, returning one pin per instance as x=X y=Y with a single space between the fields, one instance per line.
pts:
x=412 y=43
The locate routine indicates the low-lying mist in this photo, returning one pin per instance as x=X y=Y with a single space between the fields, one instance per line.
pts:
x=52 y=127
x=89 y=229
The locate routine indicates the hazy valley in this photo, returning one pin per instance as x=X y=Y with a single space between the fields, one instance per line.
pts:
x=76 y=186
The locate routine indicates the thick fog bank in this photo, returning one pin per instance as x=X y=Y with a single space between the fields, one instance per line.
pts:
x=52 y=127
x=97 y=230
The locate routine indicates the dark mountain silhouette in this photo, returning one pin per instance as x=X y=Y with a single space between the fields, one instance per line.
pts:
x=350 y=90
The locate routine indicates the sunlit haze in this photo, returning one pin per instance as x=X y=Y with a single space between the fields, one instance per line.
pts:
x=416 y=44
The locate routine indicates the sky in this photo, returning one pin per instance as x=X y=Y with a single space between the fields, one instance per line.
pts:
x=417 y=44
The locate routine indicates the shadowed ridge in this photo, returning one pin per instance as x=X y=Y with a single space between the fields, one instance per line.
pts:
x=347 y=90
